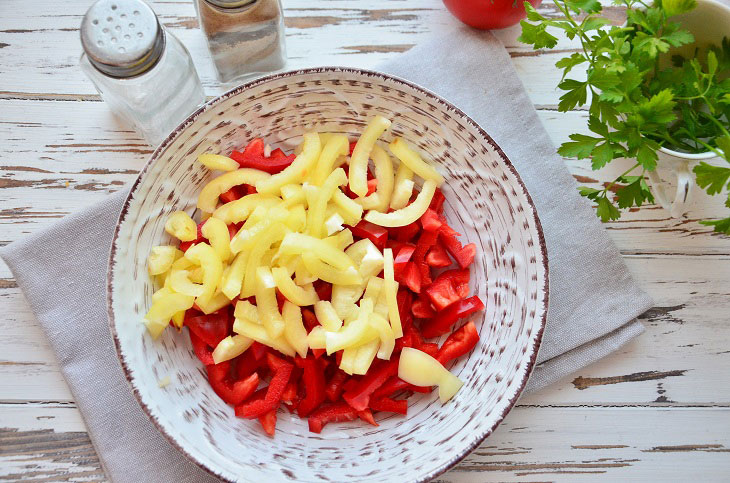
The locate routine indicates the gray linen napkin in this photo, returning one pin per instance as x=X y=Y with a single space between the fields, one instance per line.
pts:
x=593 y=300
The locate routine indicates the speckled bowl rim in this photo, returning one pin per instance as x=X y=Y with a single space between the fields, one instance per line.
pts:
x=451 y=462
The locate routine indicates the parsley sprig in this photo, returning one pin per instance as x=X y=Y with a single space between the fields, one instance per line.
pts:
x=640 y=98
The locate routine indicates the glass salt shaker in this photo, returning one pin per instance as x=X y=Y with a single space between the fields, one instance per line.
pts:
x=245 y=37
x=141 y=70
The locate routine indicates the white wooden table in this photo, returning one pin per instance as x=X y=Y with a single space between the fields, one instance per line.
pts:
x=659 y=409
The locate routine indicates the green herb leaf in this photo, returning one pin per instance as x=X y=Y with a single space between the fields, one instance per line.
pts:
x=711 y=178
x=721 y=226
x=606 y=210
x=678 y=38
x=581 y=146
x=675 y=7
x=646 y=156
x=588 y=6
x=576 y=95
x=532 y=14
x=659 y=108
x=602 y=155
x=590 y=193
x=567 y=63
x=536 y=36
x=634 y=193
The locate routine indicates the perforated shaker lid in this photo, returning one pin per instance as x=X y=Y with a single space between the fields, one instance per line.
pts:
x=122 y=38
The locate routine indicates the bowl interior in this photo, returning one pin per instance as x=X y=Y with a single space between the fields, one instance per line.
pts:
x=485 y=201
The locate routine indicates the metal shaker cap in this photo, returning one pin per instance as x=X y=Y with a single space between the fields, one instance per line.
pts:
x=122 y=38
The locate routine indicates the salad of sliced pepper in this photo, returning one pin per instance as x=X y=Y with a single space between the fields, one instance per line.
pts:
x=312 y=284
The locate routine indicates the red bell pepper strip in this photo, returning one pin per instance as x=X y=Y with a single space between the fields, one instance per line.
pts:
x=280 y=299
x=405 y=302
x=352 y=146
x=359 y=396
x=389 y=405
x=309 y=320
x=323 y=289
x=438 y=257
x=409 y=276
x=424 y=244
x=233 y=229
x=268 y=422
x=446 y=318
x=376 y=234
x=211 y=328
x=429 y=348
x=406 y=233
x=463 y=255
x=449 y=287
x=460 y=342
x=403 y=255
x=367 y=416
x=334 y=413
x=231 y=392
x=396 y=384
x=199 y=239
x=313 y=378
x=430 y=220
x=282 y=372
x=422 y=309
x=259 y=350
x=253 y=157
x=201 y=349
x=335 y=386
x=247 y=364
x=437 y=202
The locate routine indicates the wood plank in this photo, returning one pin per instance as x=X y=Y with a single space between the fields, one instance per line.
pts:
x=51 y=168
x=677 y=362
x=632 y=444
x=41 y=47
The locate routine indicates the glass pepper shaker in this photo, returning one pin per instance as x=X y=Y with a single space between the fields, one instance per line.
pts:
x=244 y=37
x=141 y=70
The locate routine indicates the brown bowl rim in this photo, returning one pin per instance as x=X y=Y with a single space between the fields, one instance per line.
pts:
x=451 y=462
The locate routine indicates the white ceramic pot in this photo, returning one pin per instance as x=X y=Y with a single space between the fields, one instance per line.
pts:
x=709 y=22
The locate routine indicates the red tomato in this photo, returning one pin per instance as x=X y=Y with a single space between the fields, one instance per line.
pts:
x=489 y=14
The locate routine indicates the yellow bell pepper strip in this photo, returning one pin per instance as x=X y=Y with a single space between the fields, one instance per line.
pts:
x=217 y=302
x=373 y=288
x=301 y=296
x=255 y=257
x=163 y=309
x=348 y=208
x=348 y=359
x=161 y=259
x=341 y=240
x=380 y=200
x=420 y=369
x=356 y=333
x=259 y=334
x=233 y=281
x=297 y=219
x=216 y=231
x=403 y=187
x=407 y=215
x=296 y=171
x=317 y=338
x=294 y=331
x=289 y=263
x=381 y=304
x=268 y=308
x=181 y=226
x=413 y=160
x=327 y=316
x=385 y=332
x=299 y=243
x=247 y=236
x=230 y=347
x=180 y=283
x=302 y=275
x=247 y=311
x=365 y=356
x=239 y=210
x=391 y=293
x=217 y=161
x=335 y=145
x=196 y=275
x=328 y=273
x=317 y=209
x=334 y=224
x=293 y=192
x=361 y=154
x=208 y=198
x=178 y=319
x=344 y=298
x=204 y=255
x=366 y=256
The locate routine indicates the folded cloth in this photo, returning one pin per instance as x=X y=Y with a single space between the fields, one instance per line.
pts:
x=593 y=300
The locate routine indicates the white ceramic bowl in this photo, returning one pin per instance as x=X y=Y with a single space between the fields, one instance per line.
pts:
x=485 y=201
